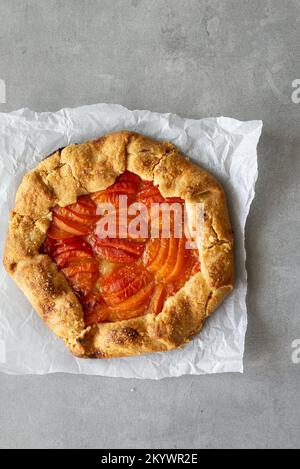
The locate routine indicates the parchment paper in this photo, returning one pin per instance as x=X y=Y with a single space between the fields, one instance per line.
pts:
x=225 y=146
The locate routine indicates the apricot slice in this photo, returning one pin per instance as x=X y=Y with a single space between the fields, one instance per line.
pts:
x=70 y=226
x=83 y=282
x=127 y=183
x=139 y=282
x=126 y=245
x=117 y=249
x=151 y=250
x=127 y=292
x=75 y=257
x=85 y=265
x=118 y=279
x=84 y=207
x=158 y=299
x=55 y=233
x=171 y=260
x=63 y=259
x=138 y=299
x=150 y=194
x=180 y=262
x=95 y=309
x=72 y=244
x=116 y=255
x=68 y=247
x=76 y=219
x=71 y=215
x=120 y=315
x=161 y=256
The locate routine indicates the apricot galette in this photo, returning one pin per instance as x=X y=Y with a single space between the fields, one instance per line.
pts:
x=122 y=245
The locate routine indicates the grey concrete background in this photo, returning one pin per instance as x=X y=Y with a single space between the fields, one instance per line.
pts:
x=196 y=58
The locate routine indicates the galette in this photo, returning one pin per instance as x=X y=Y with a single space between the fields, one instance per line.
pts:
x=122 y=245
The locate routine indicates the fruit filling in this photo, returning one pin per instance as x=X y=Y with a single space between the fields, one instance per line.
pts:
x=119 y=252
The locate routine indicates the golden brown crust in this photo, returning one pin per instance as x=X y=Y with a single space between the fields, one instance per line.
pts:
x=51 y=295
x=93 y=166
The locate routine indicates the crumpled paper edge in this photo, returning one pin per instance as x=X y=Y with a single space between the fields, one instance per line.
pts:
x=134 y=120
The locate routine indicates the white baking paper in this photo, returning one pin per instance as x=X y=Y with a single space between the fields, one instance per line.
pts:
x=225 y=146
